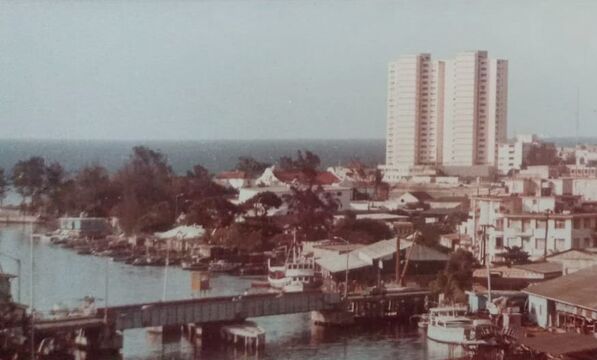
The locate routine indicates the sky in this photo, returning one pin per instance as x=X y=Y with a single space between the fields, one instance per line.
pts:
x=280 y=69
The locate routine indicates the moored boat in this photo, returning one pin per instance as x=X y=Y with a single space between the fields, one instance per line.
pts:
x=451 y=325
x=297 y=268
x=223 y=266
x=197 y=264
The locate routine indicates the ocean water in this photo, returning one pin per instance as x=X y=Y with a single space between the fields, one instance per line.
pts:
x=215 y=155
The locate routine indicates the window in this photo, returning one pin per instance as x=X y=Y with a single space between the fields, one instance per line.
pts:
x=499 y=242
x=577 y=223
x=526 y=224
x=560 y=224
x=539 y=243
x=560 y=244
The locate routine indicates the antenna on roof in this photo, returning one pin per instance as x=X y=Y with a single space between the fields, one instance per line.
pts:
x=577 y=115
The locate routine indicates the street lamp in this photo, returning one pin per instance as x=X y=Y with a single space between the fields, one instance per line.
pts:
x=18 y=273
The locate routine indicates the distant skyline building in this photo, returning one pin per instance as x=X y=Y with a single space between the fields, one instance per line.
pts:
x=512 y=155
x=450 y=113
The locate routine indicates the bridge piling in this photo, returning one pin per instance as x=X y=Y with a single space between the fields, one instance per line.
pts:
x=102 y=340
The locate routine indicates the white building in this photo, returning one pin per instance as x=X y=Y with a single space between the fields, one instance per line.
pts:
x=512 y=155
x=414 y=111
x=510 y=221
x=475 y=120
x=586 y=156
x=340 y=194
x=451 y=113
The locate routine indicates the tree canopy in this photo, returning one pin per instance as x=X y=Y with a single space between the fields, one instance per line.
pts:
x=313 y=210
x=28 y=179
x=260 y=204
x=305 y=162
x=457 y=276
x=3 y=185
x=250 y=166
x=146 y=181
x=515 y=255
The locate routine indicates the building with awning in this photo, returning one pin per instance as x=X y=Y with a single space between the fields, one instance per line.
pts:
x=568 y=302
x=377 y=261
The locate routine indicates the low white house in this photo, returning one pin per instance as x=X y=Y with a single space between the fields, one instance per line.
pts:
x=342 y=195
x=179 y=237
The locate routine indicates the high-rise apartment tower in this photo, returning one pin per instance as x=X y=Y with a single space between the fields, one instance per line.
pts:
x=449 y=113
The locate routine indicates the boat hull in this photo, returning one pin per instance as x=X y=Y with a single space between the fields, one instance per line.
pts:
x=447 y=335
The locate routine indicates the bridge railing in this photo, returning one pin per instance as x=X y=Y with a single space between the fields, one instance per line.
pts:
x=219 y=309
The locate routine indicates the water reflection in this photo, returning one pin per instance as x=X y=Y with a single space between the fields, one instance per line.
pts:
x=63 y=276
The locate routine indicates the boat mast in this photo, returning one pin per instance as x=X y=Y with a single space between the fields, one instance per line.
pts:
x=166 y=271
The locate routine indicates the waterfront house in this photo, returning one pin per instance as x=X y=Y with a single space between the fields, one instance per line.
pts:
x=568 y=302
x=368 y=264
x=181 y=238
x=92 y=227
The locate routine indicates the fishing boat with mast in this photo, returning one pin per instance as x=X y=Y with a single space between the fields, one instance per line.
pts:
x=452 y=325
x=297 y=273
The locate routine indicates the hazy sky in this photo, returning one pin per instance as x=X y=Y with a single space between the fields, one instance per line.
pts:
x=274 y=69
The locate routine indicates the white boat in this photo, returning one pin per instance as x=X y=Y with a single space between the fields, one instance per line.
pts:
x=451 y=325
x=294 y=286
x=296 y=274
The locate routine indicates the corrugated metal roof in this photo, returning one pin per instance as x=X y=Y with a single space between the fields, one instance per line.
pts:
x=424 y=253
x=381 y=250
x=575 y=289
x=541 y=267
x=337 y=262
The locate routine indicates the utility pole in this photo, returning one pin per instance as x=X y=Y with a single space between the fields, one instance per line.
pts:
x=398 y=260
x=485 y=261
x=484 y=244
x=546 y=232
x=106 y=283
x=31 y=300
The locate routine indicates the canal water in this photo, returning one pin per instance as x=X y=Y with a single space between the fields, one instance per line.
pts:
x=60 y=276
